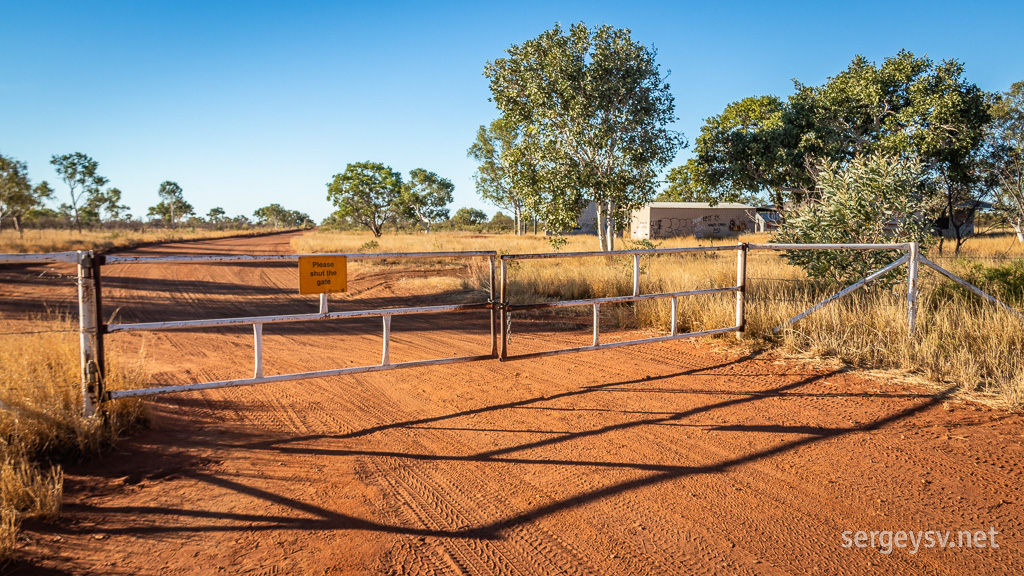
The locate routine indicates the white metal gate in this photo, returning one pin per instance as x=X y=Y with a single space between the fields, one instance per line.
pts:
x=93 y=328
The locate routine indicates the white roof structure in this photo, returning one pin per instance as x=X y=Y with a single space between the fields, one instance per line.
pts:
x=703 y=205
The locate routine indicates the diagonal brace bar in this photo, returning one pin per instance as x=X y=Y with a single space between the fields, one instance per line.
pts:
x=851 y=288
x=969 y=286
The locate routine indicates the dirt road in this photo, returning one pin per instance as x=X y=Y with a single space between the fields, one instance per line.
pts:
x=674 y=458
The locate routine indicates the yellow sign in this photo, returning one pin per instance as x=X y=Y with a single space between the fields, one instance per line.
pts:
x=322 y=274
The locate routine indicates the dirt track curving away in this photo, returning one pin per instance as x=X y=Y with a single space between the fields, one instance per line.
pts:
x=674 y=458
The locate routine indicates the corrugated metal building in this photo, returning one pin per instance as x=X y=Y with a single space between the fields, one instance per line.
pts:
x=670 y=219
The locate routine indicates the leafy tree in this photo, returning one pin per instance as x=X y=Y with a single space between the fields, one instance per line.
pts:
x=1006 y=145
x=79 y=172
x=216 y=215
x=507 y=176
x=368 y=194
x=596 y=112
x=277 y=216
x=870 y=199
x=907 y=106
x=17 y=196
x=425 y=197
x=172 y=207
x=108 y=202
x=468 y=217
x=500 y=222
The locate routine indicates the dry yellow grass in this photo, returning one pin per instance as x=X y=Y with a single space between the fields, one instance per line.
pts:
x=41 y=421
x=67 y=240
x=959 y=339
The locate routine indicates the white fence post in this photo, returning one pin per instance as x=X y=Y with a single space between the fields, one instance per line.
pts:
x=323 y=304
x=88 y=331
x=257 y=335
x=912 y=288
x=636 y=274
x=597 y=324
x=741 y=292
x=386 y=353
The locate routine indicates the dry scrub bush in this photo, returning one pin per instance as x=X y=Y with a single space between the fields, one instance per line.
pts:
x=41 y=421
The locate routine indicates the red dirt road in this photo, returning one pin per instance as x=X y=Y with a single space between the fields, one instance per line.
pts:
x=674 y=458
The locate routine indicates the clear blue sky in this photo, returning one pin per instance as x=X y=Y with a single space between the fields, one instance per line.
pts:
x=248 y=103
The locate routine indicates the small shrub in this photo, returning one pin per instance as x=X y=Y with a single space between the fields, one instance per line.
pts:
x=557 y=242
x=874 y=199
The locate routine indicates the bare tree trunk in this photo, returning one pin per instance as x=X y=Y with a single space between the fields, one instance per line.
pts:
x=534 y=224
x=1018 y=227
x=610 y=222
x=600 y=225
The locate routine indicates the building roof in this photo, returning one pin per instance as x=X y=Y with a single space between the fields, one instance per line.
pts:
x=703 y=205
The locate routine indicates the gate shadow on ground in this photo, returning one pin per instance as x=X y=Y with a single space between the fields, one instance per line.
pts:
x=314 y=517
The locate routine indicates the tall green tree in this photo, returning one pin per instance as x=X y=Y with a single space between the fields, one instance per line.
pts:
x=907 y=106
x=507 y=175
x=425 y=197
x=173 y=206
x=17 y=196
x=216 y=216
x=107 y=203
x=367 y=193
x=597 y=112
x=80 y=174
x=1006 y=145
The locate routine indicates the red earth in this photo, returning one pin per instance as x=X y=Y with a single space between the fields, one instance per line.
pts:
x=686 y=457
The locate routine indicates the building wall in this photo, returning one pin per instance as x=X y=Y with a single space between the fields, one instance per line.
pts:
x=652 y=222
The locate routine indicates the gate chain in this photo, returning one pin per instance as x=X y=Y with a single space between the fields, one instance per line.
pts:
x=508 y=328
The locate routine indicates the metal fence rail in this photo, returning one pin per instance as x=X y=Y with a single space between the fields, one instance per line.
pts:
x=257 y=322
x=92 y=327
x=507 y=309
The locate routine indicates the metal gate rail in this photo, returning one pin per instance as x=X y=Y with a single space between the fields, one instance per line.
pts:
x=595 y=303
x=257 y=322
x=92 y=328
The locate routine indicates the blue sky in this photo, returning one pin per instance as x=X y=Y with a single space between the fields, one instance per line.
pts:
x=248 y=103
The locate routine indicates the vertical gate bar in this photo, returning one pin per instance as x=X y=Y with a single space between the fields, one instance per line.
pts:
x=385 y=358
x=636 y=274
x=597 y=324
x=257 y=333
x=101 y=329
x=494 y=310
x=323 y=303
x=503 y=353
x=675 y=315
x=741 y=283
x=87 y=330
x=912 y=266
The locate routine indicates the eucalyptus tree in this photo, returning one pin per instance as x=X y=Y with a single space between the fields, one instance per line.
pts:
x=367 y=193
x=17 y=195
x=907 y=106
x=425 y=197
x=507 y=175
x=595 y=111
x=173 y=206
x=1006 y=143
x=80 y=174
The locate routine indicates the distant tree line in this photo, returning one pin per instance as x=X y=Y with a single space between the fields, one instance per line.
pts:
x=90 y=205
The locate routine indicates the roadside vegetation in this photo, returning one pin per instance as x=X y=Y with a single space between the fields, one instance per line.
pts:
x=42 y=425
